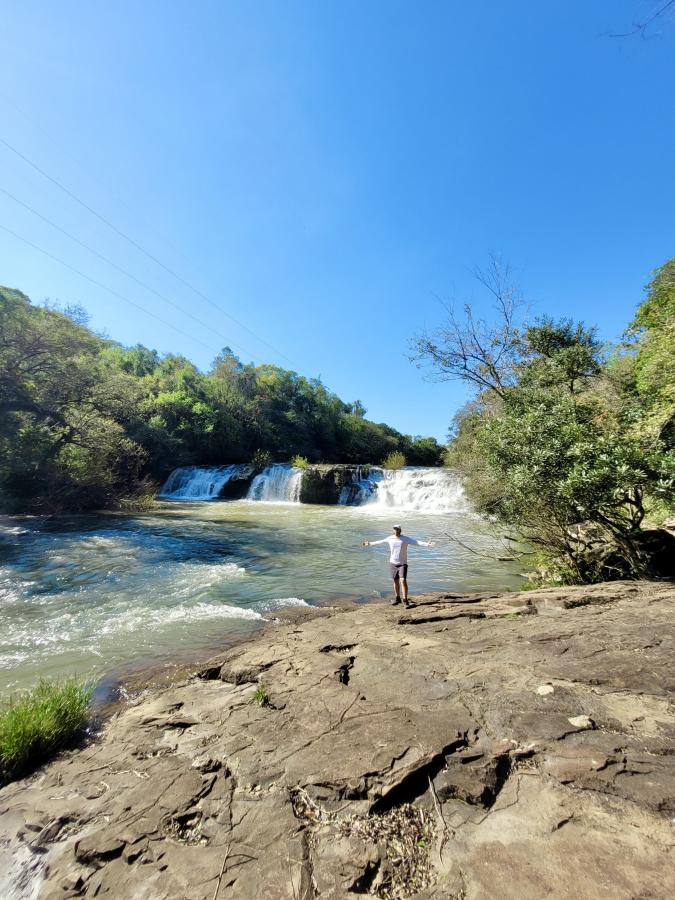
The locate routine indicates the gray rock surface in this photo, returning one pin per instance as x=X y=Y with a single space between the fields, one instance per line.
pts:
x=323 y=484
x=400 y=754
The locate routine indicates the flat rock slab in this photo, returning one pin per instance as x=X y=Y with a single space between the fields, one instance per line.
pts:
x=515 y=745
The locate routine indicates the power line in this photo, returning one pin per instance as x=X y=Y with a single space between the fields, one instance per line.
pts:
x=140 y=248
x=67 y=152
x=105 y=287
x=123 y=271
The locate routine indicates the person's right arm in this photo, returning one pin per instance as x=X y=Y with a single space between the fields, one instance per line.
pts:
x=375 y=543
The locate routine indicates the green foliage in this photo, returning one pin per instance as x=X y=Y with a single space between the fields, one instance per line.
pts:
x=654 y=363
x=423 y=451
x=260 y=696
x=394 y=460
x=40 y=722
x=261 y=459
x=63 y=409
x=573 y=447
x=300 y=462
x=86 y=423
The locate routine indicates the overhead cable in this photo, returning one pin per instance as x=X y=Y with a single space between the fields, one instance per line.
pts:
x=123 y=271
x=140 y=248
x=105 y=287
x=68 y=153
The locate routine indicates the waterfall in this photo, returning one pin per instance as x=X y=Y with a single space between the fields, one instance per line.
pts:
x=415 y=489
x=362 y=488
x=198 y=482
x=278 y=483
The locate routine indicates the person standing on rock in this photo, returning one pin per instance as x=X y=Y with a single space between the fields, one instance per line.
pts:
x=398 y=561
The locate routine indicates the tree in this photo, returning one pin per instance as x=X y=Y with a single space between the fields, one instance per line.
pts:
x=60 y=401
x=472 y=350
x=653 y=330
x=552 y=445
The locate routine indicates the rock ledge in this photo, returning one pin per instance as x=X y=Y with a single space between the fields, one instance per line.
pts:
x=515 y=745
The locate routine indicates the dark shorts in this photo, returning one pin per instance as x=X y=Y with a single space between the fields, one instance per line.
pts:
x=398 y=571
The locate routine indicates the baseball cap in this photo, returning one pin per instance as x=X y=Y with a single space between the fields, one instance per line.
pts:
x=398 y=527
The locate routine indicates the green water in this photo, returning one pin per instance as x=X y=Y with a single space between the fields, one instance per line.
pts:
x=95 y=594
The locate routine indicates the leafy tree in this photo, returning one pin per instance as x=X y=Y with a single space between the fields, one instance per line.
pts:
x=60 y=401
x=556 y=442
x=654 y=330
x=85 y=422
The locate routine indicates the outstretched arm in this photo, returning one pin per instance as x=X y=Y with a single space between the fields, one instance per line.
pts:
x=375 y=543
x=421 y=543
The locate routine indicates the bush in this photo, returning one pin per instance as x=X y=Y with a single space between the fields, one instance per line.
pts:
x=261 y=459
x=40 y=722
x=395 y=460
x=300 y=462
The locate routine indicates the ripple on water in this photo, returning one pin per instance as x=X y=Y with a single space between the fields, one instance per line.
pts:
x=280 y=603
x=98 y=591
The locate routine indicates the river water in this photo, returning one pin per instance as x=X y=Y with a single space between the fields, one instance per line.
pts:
x=92 y=594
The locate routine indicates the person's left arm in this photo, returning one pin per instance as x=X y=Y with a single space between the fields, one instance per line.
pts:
x=419 y=543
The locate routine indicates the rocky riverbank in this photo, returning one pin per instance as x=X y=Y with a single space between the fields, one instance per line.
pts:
x=478 y=746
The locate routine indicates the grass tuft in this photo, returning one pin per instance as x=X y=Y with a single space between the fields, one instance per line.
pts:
x=261 y=697
x=39 y=722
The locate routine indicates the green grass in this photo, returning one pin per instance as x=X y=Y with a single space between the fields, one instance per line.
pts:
x=395 y=460
x=261 y=697
x=300 y=462
x=39 y=722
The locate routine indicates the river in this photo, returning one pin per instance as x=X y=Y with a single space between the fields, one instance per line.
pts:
x=105 y=593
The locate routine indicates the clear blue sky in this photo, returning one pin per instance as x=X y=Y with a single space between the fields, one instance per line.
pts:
x=322 y=170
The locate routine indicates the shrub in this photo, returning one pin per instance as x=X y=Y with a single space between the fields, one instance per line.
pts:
x=261 y=697
x=394 y=460
x=39 y=722
x=300 y=462
x=261 y=459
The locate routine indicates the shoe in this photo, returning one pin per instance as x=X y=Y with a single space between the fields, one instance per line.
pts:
x=396 y=601
x=408 y=604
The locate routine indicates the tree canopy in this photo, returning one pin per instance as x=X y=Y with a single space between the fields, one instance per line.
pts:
x=569 y=444
x=85 y=422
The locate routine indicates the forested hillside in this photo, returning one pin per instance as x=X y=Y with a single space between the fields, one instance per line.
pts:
x=86 y=423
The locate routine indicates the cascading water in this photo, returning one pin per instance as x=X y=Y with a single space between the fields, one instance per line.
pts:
x=277 y=483
x=199 y=482
x=413 y=489
x=362 y=488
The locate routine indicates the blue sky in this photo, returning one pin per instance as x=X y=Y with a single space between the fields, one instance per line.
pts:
x=324 y=171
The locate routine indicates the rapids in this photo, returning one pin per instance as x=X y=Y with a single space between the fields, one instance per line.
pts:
x=91 y=594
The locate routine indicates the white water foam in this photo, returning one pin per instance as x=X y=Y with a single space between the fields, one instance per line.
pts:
x=277 y=484
x=415 y=489
x=280 y=603
x=198 y=482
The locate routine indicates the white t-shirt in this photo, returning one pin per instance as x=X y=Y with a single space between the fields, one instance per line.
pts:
x=398 y=547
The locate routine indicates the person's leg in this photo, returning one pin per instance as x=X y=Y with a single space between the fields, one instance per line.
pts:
x=393 y=571
x=404 y=585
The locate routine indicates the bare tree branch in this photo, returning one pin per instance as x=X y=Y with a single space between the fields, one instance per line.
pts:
x=641 y=27
x=470 y=349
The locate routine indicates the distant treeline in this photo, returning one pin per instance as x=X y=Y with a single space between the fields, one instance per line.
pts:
x=86 y=423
